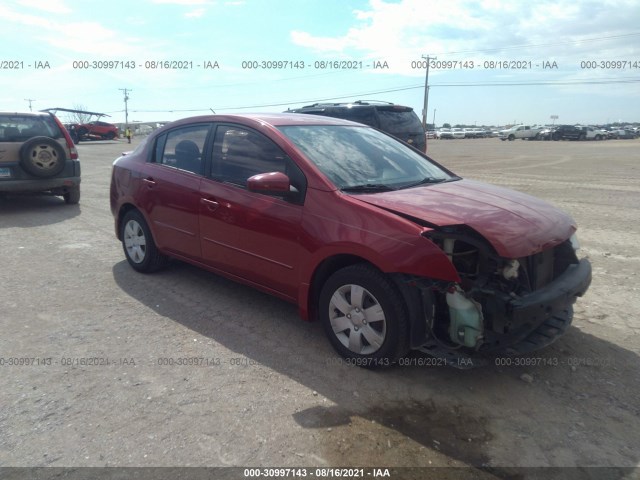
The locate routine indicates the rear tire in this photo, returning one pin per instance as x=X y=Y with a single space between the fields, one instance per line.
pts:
x=72 y=197
x=137 y=242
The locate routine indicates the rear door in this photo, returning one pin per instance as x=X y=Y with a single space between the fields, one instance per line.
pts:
x=171 y=188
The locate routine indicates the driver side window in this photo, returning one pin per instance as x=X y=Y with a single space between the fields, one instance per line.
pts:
x=240 y=153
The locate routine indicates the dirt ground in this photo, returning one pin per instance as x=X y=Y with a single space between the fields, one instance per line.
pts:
x=104 y=386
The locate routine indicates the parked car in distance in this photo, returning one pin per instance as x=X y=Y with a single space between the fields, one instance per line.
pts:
x=520 y=131
x=457 y=133
x=568 y=132
x=593 y=133
x=444 y=134
x=389 y=250
x=545 y=133
x=469 y=133
x=38 y=155
x=397 y=120
x=95 y=130
x=474 y=133
x=624 y=133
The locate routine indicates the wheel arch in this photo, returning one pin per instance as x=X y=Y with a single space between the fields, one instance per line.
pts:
x=321 y=273
x=406 y=285
x=124 y=209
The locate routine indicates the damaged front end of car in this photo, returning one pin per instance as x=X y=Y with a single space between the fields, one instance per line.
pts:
x=500 y=306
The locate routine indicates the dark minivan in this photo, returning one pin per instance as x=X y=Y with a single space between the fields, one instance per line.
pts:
x=397 y=120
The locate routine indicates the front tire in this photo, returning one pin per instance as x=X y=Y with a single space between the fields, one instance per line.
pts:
x=137 y=242
x=364 y=316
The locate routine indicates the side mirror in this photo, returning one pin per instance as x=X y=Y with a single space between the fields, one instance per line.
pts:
x=272 y=183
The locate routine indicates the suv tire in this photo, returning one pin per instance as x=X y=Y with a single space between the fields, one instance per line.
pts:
x=42 y=157
x=72 y=196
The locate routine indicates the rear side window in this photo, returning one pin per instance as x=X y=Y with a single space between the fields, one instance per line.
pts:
x=394 y=121
x=19 y=128
x=183 y=148
x=363 y=115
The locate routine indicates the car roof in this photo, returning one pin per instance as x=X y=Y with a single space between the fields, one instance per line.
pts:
x=27 y=114
x=273 y=119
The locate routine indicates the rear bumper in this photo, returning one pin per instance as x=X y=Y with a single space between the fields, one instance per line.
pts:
x=20 y=181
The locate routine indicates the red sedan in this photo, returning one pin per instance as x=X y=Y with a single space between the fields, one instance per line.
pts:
x=388 y=249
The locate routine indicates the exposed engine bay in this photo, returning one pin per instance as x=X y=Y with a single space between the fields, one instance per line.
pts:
x=501 y=305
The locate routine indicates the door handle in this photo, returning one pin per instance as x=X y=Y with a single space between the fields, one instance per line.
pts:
x=211 y=204
x=149 y=181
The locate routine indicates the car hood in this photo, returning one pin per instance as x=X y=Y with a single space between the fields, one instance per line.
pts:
x=516 y=224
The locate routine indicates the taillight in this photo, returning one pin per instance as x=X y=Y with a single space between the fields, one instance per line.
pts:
x=73 y=152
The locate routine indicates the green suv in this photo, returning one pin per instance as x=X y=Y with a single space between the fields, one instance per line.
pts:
x=38 y=155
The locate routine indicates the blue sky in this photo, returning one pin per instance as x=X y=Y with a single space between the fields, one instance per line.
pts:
x=532 y=34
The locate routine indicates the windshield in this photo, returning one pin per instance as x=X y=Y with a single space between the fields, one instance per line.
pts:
x=354 y=156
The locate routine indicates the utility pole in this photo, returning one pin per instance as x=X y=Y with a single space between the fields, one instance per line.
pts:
x=30 y=100
x=426 y=91
x=434 y=118
x=126 y=109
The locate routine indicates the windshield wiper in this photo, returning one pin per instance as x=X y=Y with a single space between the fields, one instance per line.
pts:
x=368 y=187
x=425 y=181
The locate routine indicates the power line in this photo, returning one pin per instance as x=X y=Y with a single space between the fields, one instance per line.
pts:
x=408 y=87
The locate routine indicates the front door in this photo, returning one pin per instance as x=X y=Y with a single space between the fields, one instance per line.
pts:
x=251 y=235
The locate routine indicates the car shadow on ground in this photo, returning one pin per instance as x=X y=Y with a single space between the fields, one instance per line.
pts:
x=34 y=210
x=579 y=407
